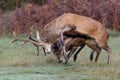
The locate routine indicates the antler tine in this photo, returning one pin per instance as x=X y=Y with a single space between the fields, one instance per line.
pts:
x=14 y=34
x=29 y=36
x=38 y=37
x=31 y=28
x=24 y=40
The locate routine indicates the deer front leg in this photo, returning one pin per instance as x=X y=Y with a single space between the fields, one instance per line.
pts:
x=76 y=53
x=37 y=50
x=71 y=52
x=62 y=47
x=67 y=28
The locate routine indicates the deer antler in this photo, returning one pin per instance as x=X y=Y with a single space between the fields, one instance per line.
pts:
x=29 y=36
x=37 y=35
x=24 y=40
x=36 y=43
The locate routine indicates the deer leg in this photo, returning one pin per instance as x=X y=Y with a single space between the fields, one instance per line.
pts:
x=44 y=51
x=98 y=53
x=63 y=50
x=76 y=53
x=62 y=46
x=93 y=45
x=109 y=52
x=91 y=55
x=97 y=50
x=37 y=50
x=65 y=56
x=67 y=28
x=70 y=54
x=37 y=47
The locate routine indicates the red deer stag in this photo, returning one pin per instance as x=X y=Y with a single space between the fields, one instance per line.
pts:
x=72 y=25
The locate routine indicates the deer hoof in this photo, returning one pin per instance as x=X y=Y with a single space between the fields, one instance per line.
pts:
x=37 y=54
x=91 y=57
x=66 y=60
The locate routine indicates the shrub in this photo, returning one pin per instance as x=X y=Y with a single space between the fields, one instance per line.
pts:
x=105 y=11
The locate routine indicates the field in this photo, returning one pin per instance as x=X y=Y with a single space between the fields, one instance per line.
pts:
x=21 y=63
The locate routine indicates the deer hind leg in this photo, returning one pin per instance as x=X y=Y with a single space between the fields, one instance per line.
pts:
x=109 y=52
x=94 y=46
x=91 y=55
x=98 y=51
x=76 y=53
x=70 y=54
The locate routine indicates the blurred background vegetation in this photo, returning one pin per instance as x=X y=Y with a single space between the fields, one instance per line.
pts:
x=20 y=15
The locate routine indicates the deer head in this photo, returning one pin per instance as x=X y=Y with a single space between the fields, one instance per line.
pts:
x=47 y=46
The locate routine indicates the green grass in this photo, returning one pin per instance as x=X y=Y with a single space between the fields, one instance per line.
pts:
x=21 y=63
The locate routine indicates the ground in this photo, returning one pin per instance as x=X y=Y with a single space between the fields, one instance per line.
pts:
x=22 y=63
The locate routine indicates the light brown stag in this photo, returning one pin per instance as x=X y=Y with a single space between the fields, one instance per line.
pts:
x=73 y=25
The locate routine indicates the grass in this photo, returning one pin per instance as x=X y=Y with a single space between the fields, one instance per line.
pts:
x=21 y=63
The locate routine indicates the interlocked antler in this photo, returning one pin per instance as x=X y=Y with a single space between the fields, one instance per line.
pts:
x=37 y=46
x=36 y=43
x=24 y=40
x=18 y=39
